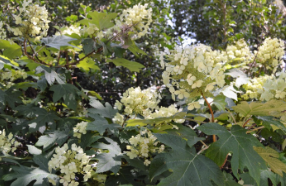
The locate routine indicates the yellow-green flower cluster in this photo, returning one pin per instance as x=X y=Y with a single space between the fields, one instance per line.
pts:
x=70 y=163
x=138 y=18
x=32 y=20
x=266 y=88
x=79 y=129
x=254 y=87
x=239 y=52
x=194 y=70
x=270 y=53
x=137 y=101
x=7 y=143
x=143 y=145
x=165 y=112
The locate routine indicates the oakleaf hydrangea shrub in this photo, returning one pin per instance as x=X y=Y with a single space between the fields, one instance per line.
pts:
x=227 y=123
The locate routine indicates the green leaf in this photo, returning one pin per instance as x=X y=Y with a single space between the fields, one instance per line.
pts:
x=239 y=144
x=51 y=75
x=10 y=97
x=260 y=109
x=101 y=20
x=131 y=65
x=272 y=158
x=43 y=117
x=184 y=161
x=11 y=49
x=271 y=123
x=88 y=45
x=144 y=122
x=88 y=64
x=185 y=133
x=98 y=108
x=4 y=61
x=87 y=139
x=58 y=41
x=42 y=162
x=228 y=180
x=219 y=102
x=100 y=124
x=25 y=175
x=33 y=150
x=66 y=91
x=51 y=138
x=110 y=161
x=135 y=50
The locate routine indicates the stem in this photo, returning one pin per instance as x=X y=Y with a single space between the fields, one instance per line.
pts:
x=211 y=111
x=203 y=149
x=255 y=129
x=204 y=143
x=231 y=115
x=224 y=162
x=246 y=122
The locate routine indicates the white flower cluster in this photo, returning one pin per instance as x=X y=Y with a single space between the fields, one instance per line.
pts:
x=79 y=129
x=92 y=30
x=193 y=70
x=266 y=88
x=137 y=101
x=118 y=119
x=138 y=18
x=33 y=20
x=69 y=30
x=70 y=162
x=142 y=145
x=270 y=53
x=7 y=77
x=239 y=52
x=165 y=112
x=7 y=143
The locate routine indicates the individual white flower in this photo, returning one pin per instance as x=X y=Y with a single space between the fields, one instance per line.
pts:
x=194 y=105
x=147 y=162
x=182 y=93
x=197 y=84
x=191 y=79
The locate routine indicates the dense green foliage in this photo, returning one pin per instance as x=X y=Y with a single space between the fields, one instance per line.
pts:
x=105 y=94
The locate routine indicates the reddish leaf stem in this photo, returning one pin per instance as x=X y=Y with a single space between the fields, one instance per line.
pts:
x=211 y=111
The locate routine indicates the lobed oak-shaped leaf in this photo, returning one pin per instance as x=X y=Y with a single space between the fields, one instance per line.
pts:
x=98 y=108
x=271 y=156
x=260 y=109
x=110 y=161
x=188 y=167
x=25 y=175
x=58 y=41
x=66 y=91
x=237 y=142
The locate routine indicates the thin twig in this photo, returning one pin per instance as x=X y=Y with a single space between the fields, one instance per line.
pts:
x=255 y=129
x=231 y=116
x=203 y=149
x=246 y=122
x=204 y=143
x=224 y=162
